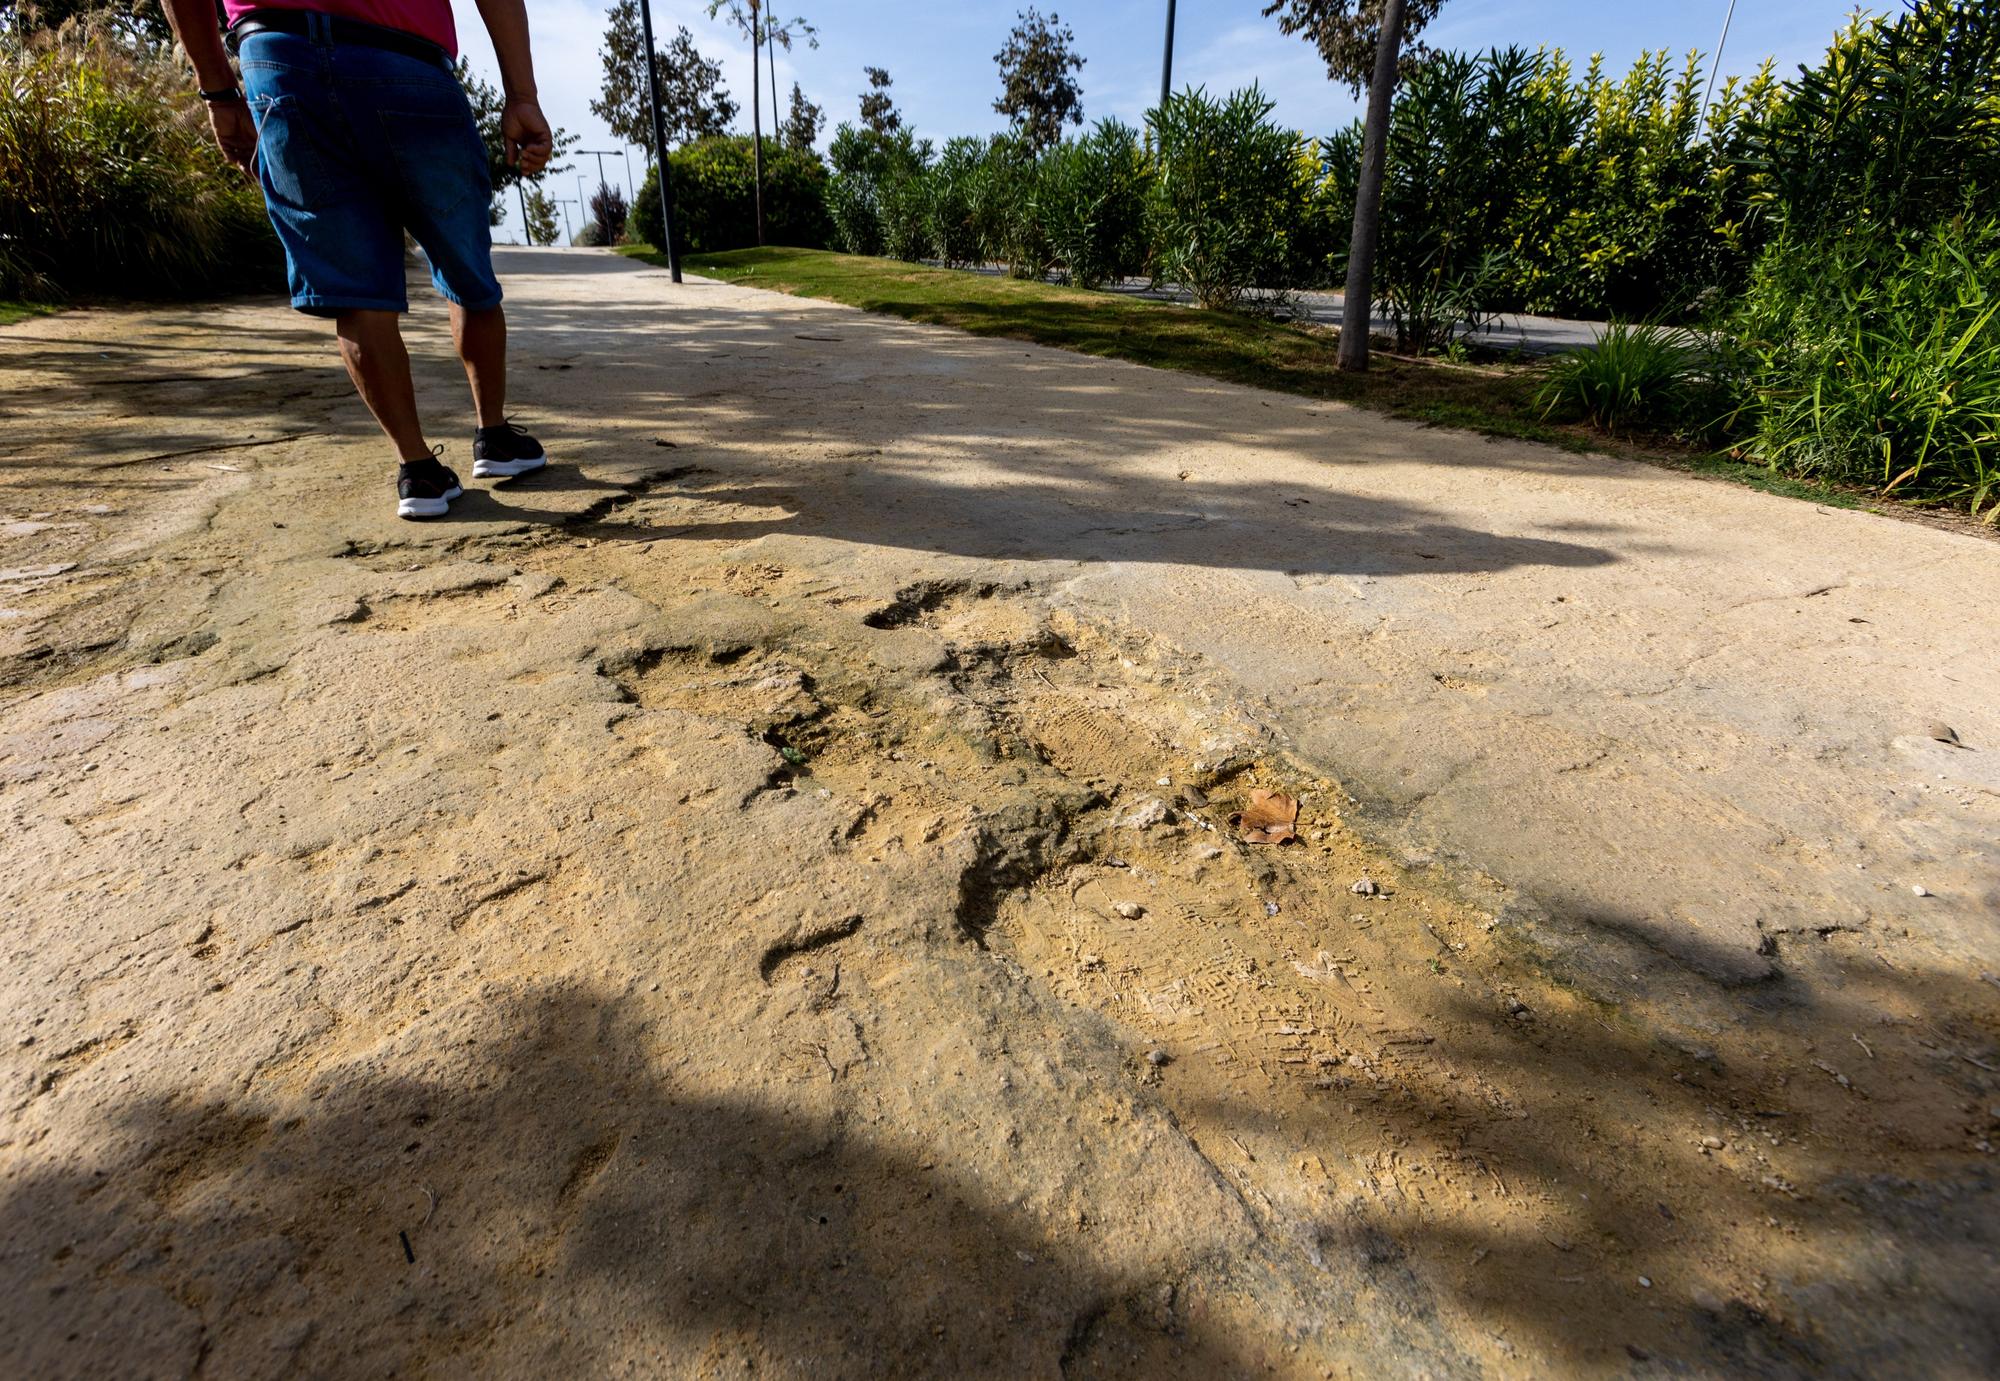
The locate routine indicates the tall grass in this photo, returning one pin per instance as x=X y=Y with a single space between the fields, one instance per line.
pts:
x=109 y=182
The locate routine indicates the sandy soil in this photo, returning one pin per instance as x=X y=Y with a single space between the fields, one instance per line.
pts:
x=760 y=898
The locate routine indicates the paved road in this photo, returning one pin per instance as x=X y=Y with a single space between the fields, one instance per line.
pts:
x=1673 y=707
x=422 y=956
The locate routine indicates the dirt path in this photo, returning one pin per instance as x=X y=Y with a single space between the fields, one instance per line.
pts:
x=760 y=898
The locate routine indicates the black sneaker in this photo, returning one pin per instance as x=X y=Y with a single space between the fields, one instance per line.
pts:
x=505 y=451
x=425 y=488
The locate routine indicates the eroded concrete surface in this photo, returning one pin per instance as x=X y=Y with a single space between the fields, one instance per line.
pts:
x=694 y=912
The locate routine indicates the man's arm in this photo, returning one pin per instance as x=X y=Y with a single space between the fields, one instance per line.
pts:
x=526 y=129
x=228 y=115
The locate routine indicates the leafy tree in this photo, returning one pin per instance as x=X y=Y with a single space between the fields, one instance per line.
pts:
x=543 y=227
x=802 y=126
x=693 y=102
x=487 y=105
x=1037 y=90
x=878 y=107
x=1348 y=32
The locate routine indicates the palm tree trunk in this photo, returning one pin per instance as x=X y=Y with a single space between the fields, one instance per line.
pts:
x=777 y=125
x=1356 y=307
x=757 y=115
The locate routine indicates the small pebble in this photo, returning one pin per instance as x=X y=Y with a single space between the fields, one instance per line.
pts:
x=1158 y=1059
x=1164 y=781
x=1645 y=1282
x=1919 y=890
x=1091 y=961
x=1130 y=910
x=1367 y=887
x=1711 y=1143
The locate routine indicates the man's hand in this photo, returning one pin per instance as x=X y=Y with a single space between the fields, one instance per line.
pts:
x=526 y=130
x=235 y=134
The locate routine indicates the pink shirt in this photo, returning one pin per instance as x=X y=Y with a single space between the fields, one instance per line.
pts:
x=429 y=19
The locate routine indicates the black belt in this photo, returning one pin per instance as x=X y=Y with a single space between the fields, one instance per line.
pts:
x=299 y=24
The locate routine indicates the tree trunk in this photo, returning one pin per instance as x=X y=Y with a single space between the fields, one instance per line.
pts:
x=777 y=125
x=757 y=115
x=1357 y=306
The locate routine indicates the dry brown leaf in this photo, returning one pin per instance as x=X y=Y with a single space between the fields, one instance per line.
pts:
x=1271 y=818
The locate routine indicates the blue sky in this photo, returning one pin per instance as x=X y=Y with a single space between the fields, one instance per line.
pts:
x=941 y=55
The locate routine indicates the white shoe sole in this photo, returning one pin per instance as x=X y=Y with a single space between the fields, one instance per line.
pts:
x=507 y=469
x=428 y=508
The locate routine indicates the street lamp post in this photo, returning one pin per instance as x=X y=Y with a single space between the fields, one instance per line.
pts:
x=660 y=143
x=1716 y=70
x=1167 y=61
x=599 y=154
x=565 y=203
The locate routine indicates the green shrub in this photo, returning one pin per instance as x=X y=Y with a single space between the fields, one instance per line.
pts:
x=715 y=204
x=1870 y=322
x=857 y=221
x=109 y=181
x=904 y=200
x=1090 y=202
x=1513 y=185
x=1012 y=214
x=1895 y=128
x=864 y=163
x=1640 y=374
x=1876 y=360
x=955 y=191
x=1230 y=197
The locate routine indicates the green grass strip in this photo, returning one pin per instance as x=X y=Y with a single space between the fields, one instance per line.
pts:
x=12 y=311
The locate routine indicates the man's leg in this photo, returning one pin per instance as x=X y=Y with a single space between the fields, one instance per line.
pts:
x=499 y=450
x=481 y=338
x=371 y=346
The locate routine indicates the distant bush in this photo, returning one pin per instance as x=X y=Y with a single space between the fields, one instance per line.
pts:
x=1232 y=204
x=877 y=201
x=1091 y=204
x=955 y=192
x=715 y=204
x=109 y=180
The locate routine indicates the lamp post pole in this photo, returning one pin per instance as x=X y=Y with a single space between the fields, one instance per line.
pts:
x=660 y=144
x=1716 y=70
x=1167 y=61
x=565 y=204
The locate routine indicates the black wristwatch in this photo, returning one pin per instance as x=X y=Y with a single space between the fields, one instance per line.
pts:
x=231 y=92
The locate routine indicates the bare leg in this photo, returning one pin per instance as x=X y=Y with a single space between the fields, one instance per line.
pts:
x=371 y=346
x=481 y=338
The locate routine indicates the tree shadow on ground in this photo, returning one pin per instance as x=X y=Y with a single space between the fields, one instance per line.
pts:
x=949 y=444
x=588 y=1214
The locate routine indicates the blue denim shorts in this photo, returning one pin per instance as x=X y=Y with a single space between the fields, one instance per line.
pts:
x=355 y=145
